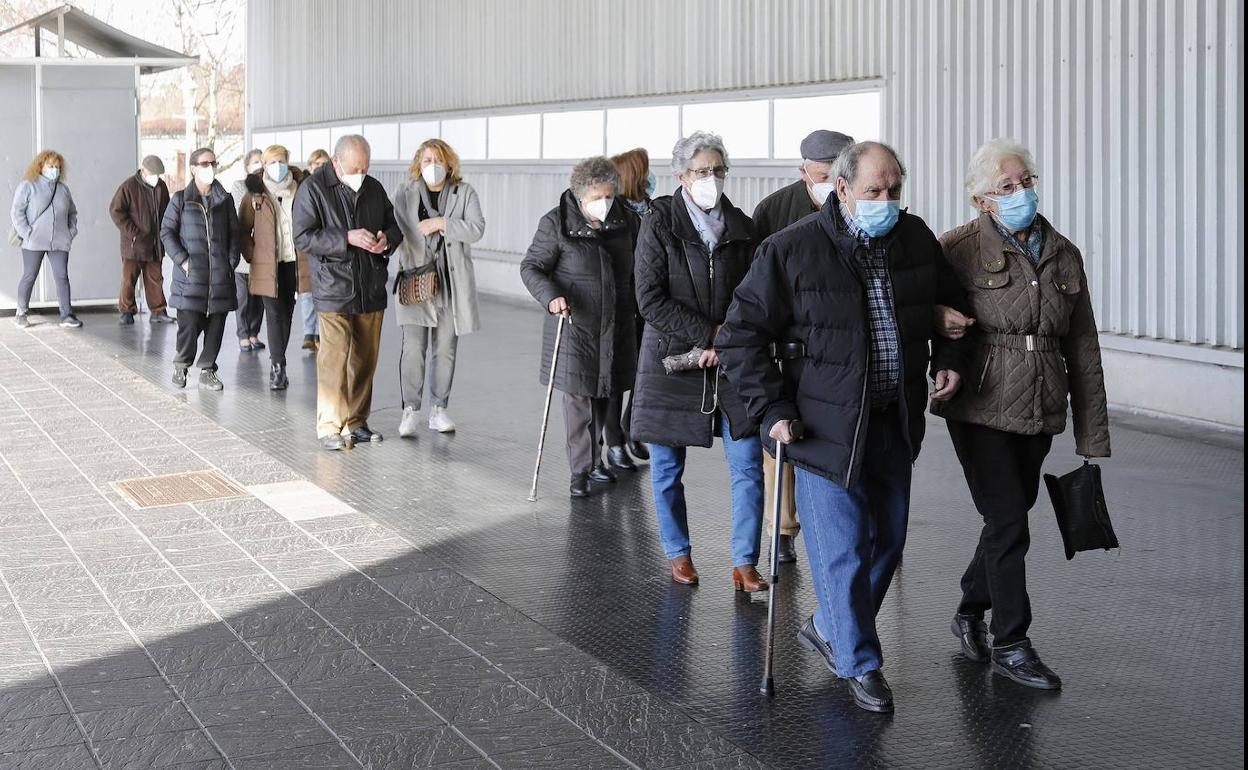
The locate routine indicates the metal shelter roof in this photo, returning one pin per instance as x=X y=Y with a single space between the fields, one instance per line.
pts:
x=72 y=25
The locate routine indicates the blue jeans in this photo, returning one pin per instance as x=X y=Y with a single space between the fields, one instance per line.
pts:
x=311 y=321
x=854 y=538
x=745 y=470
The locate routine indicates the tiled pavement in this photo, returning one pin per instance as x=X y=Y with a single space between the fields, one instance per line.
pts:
x=1148 y=639
x=222 y=634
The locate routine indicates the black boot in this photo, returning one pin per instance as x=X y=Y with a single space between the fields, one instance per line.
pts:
x=787 y=552
x=579 y=486
x=601 y=475
x=1020 y=663
x=277 y=377
x=639 y=450
x=618 y=459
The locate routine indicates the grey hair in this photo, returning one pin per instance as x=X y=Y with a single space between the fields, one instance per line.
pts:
x=846 y=166
x=687 y=147
x=253 y=153
x=201 y=152
x=351 y=140
x=985 y=165
x=593 y=171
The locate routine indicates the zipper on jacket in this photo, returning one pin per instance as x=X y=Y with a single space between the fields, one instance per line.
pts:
x=862 y=409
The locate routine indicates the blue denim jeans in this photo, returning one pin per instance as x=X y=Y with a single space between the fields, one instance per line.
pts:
x=745 y=469
x=311 y=321
x=854 y=538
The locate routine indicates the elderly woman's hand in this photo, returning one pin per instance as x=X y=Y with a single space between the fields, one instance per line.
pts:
x=430 y=226
x=708 y=359
x=946 y=385
x=950 y=323
x=559 y=306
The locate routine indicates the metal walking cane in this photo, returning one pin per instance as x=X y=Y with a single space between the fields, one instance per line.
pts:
x=550 y=392
x=796 y=431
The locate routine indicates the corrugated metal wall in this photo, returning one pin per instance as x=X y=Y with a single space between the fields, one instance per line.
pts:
x=1133 y=108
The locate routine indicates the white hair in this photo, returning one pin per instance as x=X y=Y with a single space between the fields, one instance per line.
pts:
x=985 y=165
x=354 y=141
x=687 y=147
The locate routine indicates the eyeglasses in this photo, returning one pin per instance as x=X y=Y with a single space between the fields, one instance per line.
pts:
x=705 y=171
x=205 y=164
x=1009 y=188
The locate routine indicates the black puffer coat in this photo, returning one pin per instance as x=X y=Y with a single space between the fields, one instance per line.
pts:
x=202 y=234
x=345 y=279
x=808 y=284
x=593 y=270
x=683 y=292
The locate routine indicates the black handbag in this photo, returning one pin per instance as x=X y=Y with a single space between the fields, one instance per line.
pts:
x=1079 y=502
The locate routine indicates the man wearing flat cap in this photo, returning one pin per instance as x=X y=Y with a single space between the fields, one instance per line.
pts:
x=774 y=213
x=137 y=209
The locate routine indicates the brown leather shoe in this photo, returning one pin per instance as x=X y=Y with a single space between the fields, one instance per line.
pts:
x=747 y=579
x=683 y=571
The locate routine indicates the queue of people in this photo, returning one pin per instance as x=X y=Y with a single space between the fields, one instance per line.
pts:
x=830 y=305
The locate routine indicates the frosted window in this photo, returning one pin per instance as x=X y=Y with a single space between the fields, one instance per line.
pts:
x=743 y=125
x=412 y=135
x=337 y=132
x=292 y=141
x=383 y=140
x=572 y=135
x=467 y=136
x=317 y=139
x=260 y=141
x=857 y=115
x=516 y=137
x=654 y=128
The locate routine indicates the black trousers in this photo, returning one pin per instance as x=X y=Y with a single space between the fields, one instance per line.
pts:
x=1003 y=472
x=280 y=310
x=612 y=432
x=250 y=308
x=191 y=324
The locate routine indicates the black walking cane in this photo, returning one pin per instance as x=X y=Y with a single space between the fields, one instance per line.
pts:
x=796 y=430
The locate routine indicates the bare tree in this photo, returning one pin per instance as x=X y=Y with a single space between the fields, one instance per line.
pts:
x=213 y=87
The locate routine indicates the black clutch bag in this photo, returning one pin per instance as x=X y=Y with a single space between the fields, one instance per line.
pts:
x=1079 y=501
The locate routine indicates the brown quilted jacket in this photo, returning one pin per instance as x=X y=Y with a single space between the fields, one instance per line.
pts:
x=1036 y=339
x=258 y=217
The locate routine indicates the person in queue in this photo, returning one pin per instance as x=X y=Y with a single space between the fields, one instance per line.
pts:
x=307 y=303
x=266 y=239
x=637 y=186
x=250 y=313
x=694 y=249
x=200 y=234
x=854 y=290
x=344 y=222
x=45 y=218
x=1035 y=348
x=441 y=218
x=777 y=211
x=137 y=209
x=580 y=266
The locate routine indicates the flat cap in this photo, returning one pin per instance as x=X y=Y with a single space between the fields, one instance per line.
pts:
x=152 y=164
x=824 y=146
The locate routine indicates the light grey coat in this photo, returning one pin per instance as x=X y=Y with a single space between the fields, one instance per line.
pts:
x=465 y=225
x=56 y=228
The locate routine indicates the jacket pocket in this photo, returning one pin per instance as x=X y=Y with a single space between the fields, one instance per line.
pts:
x=985 y=280
x=335 y=280
x=1067 y=285
x=984 y=370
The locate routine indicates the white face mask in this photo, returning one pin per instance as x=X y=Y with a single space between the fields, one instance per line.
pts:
x=354 y=181
x=51 y=173
x=277 y=171
x=706 y=192
x=151 y=179
x=205 y=176
x=254 y=167
x=434 y=174
x=820 y=191
x=598 y=209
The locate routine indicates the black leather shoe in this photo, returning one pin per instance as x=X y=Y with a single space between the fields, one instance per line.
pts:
x=179 y=376
x=1020 y=663
x=277 y=377
x=127 y=319
x=364 y=435
x=973 y=635
x=808 y=636
x=333 y=442
x=618 y=459
x=601 y=475
x=788 y=551
x=579 y=486
x=257 y=345
x=871 y=692
x=639 y=450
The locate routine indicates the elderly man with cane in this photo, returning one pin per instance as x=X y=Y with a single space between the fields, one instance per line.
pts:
x=852 y=290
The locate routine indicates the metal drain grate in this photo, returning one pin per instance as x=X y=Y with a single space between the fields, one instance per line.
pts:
x=176 y=488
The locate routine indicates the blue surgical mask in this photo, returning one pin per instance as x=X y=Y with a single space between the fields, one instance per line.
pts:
x=277 y=171
x=51 y=173
x=876 y=218
x=652 y=183
x=1017 y=211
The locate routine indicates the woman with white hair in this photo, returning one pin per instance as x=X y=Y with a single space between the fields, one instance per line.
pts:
x=580 y=266
x=1035 y=348
x=694 y=248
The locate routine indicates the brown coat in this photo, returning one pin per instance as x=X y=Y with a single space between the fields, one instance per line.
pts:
x=137 y=209
x=258 y=221
x=1011 y=387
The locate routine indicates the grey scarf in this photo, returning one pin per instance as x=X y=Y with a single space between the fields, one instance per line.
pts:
x=709 y=224
x=433 y=243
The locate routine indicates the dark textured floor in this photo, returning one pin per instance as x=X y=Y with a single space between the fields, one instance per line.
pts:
x=1149 y=640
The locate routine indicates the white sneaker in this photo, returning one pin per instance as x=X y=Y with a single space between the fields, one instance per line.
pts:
x=440 y=421
x=407 y=426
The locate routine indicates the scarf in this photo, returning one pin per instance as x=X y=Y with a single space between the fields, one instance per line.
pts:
x=709 y=224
